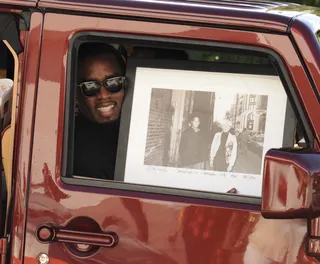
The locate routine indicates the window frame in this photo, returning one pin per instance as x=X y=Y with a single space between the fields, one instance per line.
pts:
x=69 y=116
x=8 y=155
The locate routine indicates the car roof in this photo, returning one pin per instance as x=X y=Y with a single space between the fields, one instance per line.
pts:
x=260 y=5
x=257 y=14
x=29 y=3
x=242 y=4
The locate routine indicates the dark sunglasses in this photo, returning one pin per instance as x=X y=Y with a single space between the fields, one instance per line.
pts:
x=111 y=84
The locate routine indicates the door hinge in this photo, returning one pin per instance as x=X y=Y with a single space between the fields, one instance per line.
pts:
x=3 y=250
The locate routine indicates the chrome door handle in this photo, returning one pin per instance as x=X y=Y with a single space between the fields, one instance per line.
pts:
x=47 y=233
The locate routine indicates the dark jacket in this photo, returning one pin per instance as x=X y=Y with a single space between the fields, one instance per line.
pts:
x=192 y=147
x=95 y=148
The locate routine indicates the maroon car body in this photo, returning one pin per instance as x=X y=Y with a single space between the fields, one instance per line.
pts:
x=145 y=223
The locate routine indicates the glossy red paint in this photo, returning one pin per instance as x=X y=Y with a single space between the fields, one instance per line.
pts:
x=153 y=229
x=234 y=13
x=10 y=10
x=28 y=83
x=291 y=184
x=304 y=30
x=28 y=3
x=33 y=261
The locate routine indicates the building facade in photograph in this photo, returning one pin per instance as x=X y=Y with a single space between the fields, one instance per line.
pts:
x=159 y=123
x=249 y=112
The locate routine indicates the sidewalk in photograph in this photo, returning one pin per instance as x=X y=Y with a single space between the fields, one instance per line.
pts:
x=247 y=163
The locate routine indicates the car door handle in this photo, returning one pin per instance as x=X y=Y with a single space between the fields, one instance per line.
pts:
x=47 y=233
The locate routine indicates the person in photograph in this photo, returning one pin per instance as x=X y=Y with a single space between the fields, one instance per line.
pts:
x=191 y=150
x=223 y=152
x=244 y=138
x=210 y=135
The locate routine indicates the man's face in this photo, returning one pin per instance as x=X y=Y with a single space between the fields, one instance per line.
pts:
x=195 y=122
x=104 y=107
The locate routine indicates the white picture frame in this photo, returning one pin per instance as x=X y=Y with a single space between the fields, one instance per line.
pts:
x=226 y=86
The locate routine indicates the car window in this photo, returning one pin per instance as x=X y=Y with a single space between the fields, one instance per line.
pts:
x=3 y=60
x=6 y=84
x=7 y=64
x=179 y=118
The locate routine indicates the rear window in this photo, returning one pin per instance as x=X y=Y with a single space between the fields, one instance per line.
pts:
x=196 y=119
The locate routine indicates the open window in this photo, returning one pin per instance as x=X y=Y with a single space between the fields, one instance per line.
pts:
x=238 y=96
x=10 y=47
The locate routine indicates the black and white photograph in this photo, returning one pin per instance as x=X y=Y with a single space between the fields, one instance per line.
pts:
x=206 y=130
x=178 y=128
x=202 y=130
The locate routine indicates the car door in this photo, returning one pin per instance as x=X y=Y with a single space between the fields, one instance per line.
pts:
x=189 y=216
x=17 y=107
x=24 y=45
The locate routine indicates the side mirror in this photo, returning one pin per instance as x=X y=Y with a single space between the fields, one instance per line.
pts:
x=291 y=184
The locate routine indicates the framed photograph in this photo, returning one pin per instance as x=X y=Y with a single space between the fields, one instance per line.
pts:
x=201 y=126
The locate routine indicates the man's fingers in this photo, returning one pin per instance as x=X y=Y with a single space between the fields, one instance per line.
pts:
x=233 y=190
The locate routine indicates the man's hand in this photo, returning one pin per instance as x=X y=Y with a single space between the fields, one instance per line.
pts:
x=233 y=190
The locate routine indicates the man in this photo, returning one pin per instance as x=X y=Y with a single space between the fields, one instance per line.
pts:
x=100 y=96
x=192 y=149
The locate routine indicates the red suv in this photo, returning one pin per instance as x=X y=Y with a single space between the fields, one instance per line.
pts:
x=199 y=139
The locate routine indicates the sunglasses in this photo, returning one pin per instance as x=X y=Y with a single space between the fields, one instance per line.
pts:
x=111 y=84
